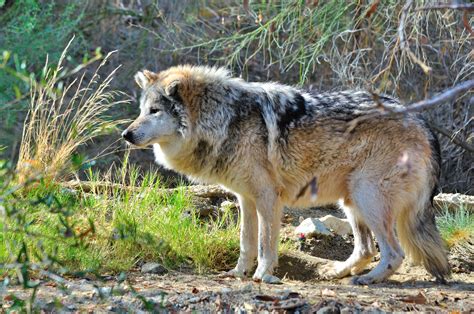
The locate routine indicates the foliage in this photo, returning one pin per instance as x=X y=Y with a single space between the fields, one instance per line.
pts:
x=62 y=118
x=30 y=30
x=456 y=227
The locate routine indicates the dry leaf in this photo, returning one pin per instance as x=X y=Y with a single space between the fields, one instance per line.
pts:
x=416 y=299
x=266 y=298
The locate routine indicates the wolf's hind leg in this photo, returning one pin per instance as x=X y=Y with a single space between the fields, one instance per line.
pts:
x=380 y=215
x=364 y=249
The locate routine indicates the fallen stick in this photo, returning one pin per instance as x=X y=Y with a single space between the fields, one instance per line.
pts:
x=204 y=191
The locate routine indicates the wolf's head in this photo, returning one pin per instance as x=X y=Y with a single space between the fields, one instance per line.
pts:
x=178 y=102
x=162 y=116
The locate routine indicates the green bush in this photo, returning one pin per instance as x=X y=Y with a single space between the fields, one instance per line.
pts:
x=30 y=31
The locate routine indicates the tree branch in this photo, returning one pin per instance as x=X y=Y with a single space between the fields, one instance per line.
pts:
x=452 y=6
x=442 y=97
x=453 y=139
x=381 y=110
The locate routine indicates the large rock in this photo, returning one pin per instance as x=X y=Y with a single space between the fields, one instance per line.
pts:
x=452 y=202
x=337 y=225
x=311 y=227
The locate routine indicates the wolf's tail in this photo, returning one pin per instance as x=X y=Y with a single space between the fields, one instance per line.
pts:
x=416 y=227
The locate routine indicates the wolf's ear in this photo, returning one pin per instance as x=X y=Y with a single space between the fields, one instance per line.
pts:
x=172 y=88
x=145 y=78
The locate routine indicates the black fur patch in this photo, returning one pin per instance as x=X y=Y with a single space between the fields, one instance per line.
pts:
x=294 y=111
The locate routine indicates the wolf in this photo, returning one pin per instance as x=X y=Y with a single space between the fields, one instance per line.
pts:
x=267 y=142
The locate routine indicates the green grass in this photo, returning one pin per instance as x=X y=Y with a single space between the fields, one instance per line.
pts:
x=457 y=227
x=129 y=227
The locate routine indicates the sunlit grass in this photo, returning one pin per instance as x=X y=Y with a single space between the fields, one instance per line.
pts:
x=457 y=227
x=129 y=227
x=63 y=115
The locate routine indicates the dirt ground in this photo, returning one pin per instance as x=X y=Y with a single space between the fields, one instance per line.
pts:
x=410 y=289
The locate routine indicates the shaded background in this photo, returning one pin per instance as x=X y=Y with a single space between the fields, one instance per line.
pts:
x=322 y=45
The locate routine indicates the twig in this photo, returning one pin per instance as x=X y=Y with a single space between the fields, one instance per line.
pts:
x=442 y=97
x=404 y=43
x=205 y=191
x=418 y=106
x=453 y=139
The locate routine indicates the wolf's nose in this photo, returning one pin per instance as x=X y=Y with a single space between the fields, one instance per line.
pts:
x=128 y=136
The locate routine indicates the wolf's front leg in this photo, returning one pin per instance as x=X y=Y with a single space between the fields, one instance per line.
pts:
x=269 y=220
x=248 y=238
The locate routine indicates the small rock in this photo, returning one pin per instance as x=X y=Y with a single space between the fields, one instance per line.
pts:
x=346 y=310
x=246 y=288
x=226 y=290
x=102 y=292
x=194 y=300
x=250 y=307
x=154 y=268
x=328 y=310
x=311 y=227
x=338 y=225
x=111 y=308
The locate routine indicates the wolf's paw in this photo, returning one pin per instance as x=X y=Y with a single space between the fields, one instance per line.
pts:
x=333 y=270
x=233 y=273
x=363 y=280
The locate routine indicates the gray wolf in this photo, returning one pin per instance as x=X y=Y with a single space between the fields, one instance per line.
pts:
x=266 y=142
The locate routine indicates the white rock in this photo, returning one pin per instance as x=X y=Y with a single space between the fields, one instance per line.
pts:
x=311 y=227
x=338 y=225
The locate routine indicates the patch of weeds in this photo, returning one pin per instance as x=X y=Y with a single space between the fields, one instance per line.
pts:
x=456 y=227
x=149 y=225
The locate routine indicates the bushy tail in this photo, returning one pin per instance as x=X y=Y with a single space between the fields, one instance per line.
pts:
x=417 y=229
x=422 y=242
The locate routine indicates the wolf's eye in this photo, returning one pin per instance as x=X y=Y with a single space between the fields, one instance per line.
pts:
x=154 y=110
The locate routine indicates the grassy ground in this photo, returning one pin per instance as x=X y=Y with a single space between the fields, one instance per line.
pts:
x=456 y=227
x=114 y=232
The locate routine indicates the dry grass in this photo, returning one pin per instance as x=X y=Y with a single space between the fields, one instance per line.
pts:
x=61 y=119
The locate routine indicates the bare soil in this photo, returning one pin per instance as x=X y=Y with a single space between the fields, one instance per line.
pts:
x=410 y=289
